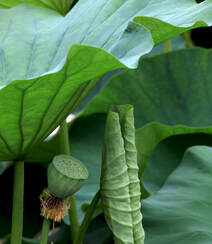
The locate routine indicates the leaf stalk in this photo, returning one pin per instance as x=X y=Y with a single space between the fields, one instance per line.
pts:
x=167 y=46
x=45 y=231
x=18 y=203
x=188 y=39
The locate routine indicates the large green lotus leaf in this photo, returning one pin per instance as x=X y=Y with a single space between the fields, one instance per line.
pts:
x=119 y=184
x=167 y=155
x=62 y=6
x=48 y=36
x=169 y=150
x=171 y=96
x=164 y=19
x=39 y=42
x=147 y=139
x=180 y=212
x=31 y=109
x=164 y=89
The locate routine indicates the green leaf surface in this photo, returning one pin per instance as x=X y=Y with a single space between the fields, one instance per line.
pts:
x=166 y=149
x=171 y=96
x=48 y=36
x=168 y=85
x=120 y=185
x=61 y=6
x=169 y=150
x=166 y=19
x=180 y=212
x=39 y=42
x=163 y=18
x=32 y=109
x=176 y=43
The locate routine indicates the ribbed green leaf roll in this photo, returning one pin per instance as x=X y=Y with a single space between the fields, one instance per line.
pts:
x=120 y=186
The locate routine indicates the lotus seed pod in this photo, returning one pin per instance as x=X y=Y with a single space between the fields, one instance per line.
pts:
x=66 y=175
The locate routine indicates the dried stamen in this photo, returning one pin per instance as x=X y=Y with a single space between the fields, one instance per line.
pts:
x=53 y=207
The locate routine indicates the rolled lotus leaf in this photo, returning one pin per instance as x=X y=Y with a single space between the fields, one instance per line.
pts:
x=120 y=184
x=66 y=175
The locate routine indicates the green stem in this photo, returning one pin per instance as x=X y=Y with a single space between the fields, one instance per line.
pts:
x=73 y=217
x=65 y=149
x=188 y=40
x=64 y=139
x=18 y=203
x=45 y=231
x=87 y=219
x=167 y=46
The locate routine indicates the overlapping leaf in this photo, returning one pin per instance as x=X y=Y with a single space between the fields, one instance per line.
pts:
x=167 y=156
x=180 y=212
x=62 y=6
x=172 y=97
x=38 y=43
x=42 y=38
x=31 y=109
x=120 y=185
x=163 y=18
x=166 y=19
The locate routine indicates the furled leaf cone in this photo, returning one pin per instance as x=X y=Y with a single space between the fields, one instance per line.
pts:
x=66 y=175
